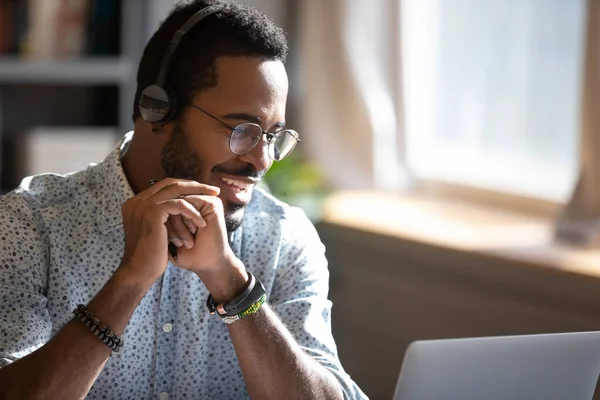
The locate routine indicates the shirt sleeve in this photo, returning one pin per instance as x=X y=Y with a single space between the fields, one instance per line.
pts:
x=24 y=321
x=299 y=296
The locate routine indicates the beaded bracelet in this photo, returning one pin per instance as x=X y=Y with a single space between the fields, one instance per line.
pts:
x=248 y=311
x=101 y=331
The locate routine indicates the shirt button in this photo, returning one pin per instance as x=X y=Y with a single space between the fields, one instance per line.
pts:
x=164 y=396
x=167 y=328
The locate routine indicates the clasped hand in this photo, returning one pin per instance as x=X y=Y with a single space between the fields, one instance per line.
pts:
x=184 y=212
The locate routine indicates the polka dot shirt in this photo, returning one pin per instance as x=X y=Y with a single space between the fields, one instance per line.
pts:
x=61 y=238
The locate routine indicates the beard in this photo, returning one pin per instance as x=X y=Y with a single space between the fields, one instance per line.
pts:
x=179 y=161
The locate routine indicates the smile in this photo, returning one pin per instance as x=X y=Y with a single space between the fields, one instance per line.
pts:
x=238 y=185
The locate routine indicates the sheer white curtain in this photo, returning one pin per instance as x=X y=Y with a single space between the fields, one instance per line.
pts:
x=580 y=221
x=351 y=108
x=492 y=92
x=488 y=94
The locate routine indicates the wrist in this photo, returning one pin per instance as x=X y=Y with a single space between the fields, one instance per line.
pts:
x=119 y=297
x=136 y=283
x=226 y=282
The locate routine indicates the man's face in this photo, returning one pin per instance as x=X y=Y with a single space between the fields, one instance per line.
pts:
x=248 y=90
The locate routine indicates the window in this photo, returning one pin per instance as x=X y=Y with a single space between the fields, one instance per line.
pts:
x=492 y=93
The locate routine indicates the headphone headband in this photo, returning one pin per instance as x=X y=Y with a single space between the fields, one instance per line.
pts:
x=157 y=103
x=174 y=43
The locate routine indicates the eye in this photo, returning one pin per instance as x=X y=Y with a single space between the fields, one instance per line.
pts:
x=244 y=137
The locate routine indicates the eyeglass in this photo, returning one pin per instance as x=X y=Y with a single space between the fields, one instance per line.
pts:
x=246 y=135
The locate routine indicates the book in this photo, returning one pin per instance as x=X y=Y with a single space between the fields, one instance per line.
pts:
x=59 y=29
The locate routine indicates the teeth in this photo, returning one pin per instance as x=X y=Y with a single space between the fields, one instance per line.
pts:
x=239 y=184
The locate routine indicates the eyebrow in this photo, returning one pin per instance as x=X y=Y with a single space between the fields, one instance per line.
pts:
x=249 y=118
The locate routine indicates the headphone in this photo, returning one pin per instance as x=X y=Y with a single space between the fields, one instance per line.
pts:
x=157 y=102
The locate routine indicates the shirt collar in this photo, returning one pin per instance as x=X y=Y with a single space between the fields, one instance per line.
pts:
x=111 y=187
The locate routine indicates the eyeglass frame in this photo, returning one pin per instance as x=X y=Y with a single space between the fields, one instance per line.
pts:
x=270 y=135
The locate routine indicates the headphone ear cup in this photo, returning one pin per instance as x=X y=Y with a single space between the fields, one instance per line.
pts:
x=156 y=104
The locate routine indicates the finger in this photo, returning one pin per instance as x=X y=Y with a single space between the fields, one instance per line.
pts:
x=190 y=225
x=151 y=189
x=207 y=205
x=172 y=233
x=167 y=208
x=173 y=188
x=180 y=231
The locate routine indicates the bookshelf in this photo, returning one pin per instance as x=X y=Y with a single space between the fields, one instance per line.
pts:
x=85 y=71
x=83 y=83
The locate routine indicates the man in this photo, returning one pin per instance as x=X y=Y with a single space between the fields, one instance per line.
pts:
x=186 y=176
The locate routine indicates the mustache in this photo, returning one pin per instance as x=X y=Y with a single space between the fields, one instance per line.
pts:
x=248 y=171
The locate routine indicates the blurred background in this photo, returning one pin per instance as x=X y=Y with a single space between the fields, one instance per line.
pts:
x=450 y=151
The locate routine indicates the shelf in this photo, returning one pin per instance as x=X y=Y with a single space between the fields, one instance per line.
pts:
x=105 y=70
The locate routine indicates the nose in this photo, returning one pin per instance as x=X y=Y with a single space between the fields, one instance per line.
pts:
x=258 y=156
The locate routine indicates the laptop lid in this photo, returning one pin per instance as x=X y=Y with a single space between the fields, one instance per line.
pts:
x=561 y=366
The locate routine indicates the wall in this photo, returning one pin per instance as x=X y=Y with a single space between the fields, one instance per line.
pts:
x=388 y=292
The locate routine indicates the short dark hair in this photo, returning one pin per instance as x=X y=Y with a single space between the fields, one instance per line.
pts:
x=235 y=30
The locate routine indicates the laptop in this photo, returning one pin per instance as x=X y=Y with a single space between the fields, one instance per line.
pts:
x=563 y=366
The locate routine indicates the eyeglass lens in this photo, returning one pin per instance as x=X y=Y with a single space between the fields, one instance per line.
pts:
x=245 y=136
